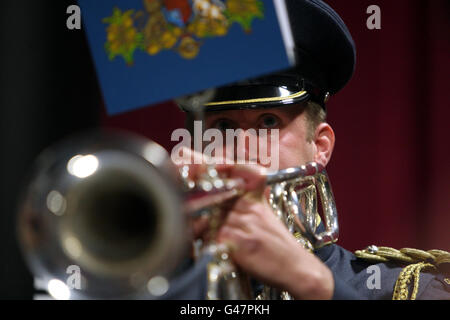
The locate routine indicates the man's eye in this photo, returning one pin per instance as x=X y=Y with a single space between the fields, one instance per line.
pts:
x=223 y=124
x=269 y=121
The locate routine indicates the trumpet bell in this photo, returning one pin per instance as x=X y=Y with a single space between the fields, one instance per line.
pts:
x=109 y=204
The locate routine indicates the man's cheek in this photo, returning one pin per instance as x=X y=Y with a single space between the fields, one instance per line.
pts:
x=289 y=157
x=294 y=151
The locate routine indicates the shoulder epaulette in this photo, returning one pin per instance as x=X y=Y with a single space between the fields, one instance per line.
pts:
x=416 y=261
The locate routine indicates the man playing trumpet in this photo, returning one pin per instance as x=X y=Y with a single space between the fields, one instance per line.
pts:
x=293 y=102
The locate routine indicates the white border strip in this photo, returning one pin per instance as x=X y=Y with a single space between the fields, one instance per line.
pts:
x=285 y=26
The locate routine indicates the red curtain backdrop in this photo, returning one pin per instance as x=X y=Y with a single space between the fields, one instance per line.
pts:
x=390 y=169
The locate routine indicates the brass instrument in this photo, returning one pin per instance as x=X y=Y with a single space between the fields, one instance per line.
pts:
x=113 y=205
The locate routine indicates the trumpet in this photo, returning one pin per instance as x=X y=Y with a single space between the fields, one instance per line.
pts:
x=114 y=205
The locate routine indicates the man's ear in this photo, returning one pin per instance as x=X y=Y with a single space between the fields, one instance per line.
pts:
x=324 y=143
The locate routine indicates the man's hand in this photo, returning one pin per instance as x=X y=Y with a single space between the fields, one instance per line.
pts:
x=264 y=248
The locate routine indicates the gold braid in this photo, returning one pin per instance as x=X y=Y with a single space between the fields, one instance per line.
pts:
x=417 y=260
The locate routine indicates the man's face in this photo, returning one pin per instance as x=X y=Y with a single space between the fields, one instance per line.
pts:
x=291 y=121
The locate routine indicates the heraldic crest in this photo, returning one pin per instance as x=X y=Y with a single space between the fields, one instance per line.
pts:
x=180 y=25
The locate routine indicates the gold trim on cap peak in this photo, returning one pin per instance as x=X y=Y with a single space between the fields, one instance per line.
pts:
x=292 y=96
